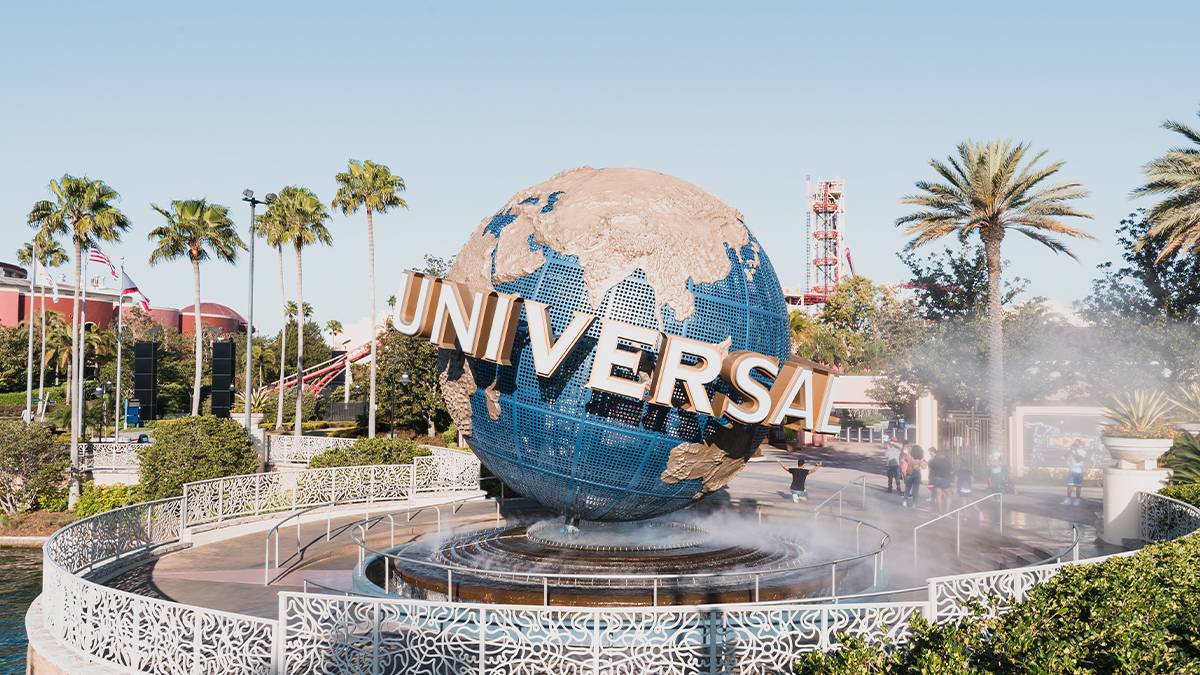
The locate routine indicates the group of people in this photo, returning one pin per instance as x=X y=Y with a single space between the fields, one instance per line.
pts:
x=907 y=466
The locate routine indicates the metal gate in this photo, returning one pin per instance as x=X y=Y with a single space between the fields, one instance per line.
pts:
x=964 y=433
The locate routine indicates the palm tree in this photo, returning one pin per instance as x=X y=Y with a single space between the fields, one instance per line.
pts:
x=299 y=216
x=1176 y=175
x=989 y=191
x=51 y=254
x=193 y=229
x=83 y=209
x=370 y=186
x=333 y=327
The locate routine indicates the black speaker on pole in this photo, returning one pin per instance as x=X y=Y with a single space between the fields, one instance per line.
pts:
x=145 y=378
x=222 y=378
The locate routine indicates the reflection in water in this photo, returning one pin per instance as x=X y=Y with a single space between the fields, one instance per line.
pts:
x=20 y=582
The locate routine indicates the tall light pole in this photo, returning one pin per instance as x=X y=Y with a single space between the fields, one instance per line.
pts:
x=248 y=197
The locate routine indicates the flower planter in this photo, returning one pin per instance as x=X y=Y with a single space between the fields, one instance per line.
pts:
x=1136 y=453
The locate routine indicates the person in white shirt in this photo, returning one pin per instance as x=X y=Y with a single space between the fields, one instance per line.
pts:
x=1075 y=473
x=891 y=457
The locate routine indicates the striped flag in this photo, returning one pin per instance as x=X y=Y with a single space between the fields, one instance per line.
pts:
x=128 y=287
x=97 y=255
x=46 y=279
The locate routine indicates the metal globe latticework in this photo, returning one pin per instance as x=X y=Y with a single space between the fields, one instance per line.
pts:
x=642 y=248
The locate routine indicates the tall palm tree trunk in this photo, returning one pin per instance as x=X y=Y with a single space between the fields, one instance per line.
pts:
x=42 y=361
x=282 y=346
x=300 y=319
x=374 y=331
x=76 y=357
x=198 y=331
x=995 y=340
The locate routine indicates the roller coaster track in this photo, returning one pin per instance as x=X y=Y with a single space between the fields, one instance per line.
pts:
x=320 y=375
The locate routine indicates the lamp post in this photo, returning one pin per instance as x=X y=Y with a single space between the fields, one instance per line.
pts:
x=248 y=197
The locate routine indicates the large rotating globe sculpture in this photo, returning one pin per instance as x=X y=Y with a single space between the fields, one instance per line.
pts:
x=639 y=247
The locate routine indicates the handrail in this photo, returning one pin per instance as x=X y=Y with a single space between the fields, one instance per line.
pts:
x=957 y=513
x=1072 y=549
x=861 y=477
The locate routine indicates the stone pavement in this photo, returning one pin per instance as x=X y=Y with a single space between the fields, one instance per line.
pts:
x=229 y=574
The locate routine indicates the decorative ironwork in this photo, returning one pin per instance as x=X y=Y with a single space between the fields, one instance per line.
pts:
x=108 y=456
x=286 y=449
x=1162 y=518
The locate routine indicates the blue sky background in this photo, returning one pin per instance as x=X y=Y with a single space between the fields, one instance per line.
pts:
x=471 y=103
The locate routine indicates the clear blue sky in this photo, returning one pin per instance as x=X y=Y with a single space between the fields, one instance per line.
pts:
x=471 y=103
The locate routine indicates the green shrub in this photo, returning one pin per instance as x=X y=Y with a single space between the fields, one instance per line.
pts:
x=1184 y=459
x=1189 y=493
x=95 y=499
x=367 y=451
x=49 y=485
x=30 y=455
x=310 y=406
x=191 y=449
x=450 y=436
x=1137 y=614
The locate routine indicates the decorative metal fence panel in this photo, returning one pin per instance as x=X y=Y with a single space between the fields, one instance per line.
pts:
x=292 y=450
x=108 y=456
x=235 y=496
x=1162 y=518
x=334 y=634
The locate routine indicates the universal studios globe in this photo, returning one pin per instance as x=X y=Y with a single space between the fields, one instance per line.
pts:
x=636 y=246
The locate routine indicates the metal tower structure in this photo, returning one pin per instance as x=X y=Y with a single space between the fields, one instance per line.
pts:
x=824 y=224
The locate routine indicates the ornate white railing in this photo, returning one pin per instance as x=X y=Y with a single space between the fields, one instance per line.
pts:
x=252 y=494
x=1161 y=518
x=130 y=630
x=287 y=449
x=108 y=456
x=329 y=633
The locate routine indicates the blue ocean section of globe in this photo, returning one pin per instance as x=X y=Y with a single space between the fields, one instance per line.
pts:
x=600 y=456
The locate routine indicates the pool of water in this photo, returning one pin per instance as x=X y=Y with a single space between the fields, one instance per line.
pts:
x=20 y=583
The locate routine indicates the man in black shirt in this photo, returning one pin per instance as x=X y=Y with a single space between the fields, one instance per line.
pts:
x=799 y=475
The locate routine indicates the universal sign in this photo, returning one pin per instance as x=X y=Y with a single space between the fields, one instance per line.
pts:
x=483 y=324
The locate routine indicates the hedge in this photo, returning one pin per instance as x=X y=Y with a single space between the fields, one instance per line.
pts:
x=368 y=451
x=1135 y=614
x=191 y=449
x=95 y=499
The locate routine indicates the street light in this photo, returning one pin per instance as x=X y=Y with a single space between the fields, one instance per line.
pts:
x=248 y=197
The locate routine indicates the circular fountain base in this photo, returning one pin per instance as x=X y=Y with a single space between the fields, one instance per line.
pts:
x=609 y=564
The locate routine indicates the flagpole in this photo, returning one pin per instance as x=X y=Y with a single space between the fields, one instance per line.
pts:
x=42 y=359
x=120 y=331
x=78 y=383
x=29 y=324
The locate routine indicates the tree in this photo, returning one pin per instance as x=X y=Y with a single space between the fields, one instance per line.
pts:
x=195 y=228
x=334 y=328
x=1145 y=314
x=31 y=460
x=989 y=190
x=372 y=187
x=953 y=284
x=51 y=255
x=860 y=325
x=1175 y=221
x=298 y=218
x=83 y=209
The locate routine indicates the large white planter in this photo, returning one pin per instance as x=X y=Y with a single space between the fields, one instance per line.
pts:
x=1192 y=428
x=1136 y=453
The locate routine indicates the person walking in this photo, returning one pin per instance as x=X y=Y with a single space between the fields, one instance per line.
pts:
x=912 y=480
x=799 y=474
x=1075 y=473
x=941 y=477
x=891 y=457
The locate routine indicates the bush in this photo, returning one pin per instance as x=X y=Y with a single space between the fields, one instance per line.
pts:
x=31 y=465
x=450 y=436
x=310 y=406
x=1189 y=493
x=367 y=451
x=191 y=449
x=95 y=499
x=1183 y=459
x=1137 y=614
x=49 y=485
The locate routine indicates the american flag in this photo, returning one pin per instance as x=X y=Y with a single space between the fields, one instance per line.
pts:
x=97 y=255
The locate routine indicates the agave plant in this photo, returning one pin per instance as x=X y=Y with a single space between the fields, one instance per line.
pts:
x=1184 y=459
x=1141 y=413
x=1187 y=399
x=258 y=400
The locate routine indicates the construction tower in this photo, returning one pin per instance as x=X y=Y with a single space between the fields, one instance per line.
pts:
x=824 y=224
